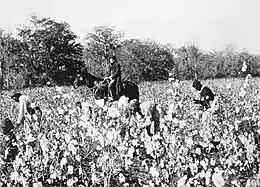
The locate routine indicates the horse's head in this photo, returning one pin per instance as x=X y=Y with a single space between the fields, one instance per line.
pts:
x=87 y=79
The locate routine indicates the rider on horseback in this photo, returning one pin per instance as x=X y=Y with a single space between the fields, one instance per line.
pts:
x=114 y=77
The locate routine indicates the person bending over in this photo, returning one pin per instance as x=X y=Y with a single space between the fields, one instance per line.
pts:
x=206 y=95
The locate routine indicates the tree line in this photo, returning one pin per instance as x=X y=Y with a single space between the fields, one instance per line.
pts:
x=48 y=52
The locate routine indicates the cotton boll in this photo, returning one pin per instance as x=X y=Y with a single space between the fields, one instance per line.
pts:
x=217 y=178
x=208 y=175
x=37 y=184
x=70 y=169
x=182 y=181
x=67 y=137
x=113 y=112
x=70 y=182
x=121 y=178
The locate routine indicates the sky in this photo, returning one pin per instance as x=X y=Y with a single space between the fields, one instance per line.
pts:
x=210 y=24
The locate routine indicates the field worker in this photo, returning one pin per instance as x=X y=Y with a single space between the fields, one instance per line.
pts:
x=8 y=147
x=175 y=83
x=206 y=95
x=25 y=107
x=114 y=77
x=148 y=111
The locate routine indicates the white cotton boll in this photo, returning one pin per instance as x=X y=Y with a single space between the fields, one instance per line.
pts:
x=237 y=109
x=80 y=171
x=235 y=183
x=198 y=151
x=60 y=111
x=59 y=89
x=94 y=178
x=86 y=105
x=113 y=112
x=63 y=162
x=110 y=136
x=101 y=140
x=182 y=181
x=131 y=151
x=182 y=124
x=203 y=164
x=37 y=184
x=32 y=105
x=242 y=92
x=212 y=162
x=205 y=117
x=189 y=142
x=236 y=124
x=72 y=148
x=67 y=137
x=44 y=144
x=151 y=184
x=35 y=117
x=228 y=86
x=53 y=175
x=202 y=174
x=14 y=175
x=100 y=102
x=171 y=79
x=66 y=96
x=70 y=182
x=78 y=158
x=70 y=169
x=121 y=178
x=30 y=138
x=217 y=178
x=154 y=172
x=170 y=111
x=250 y=148
x=191 y=168
x=207 y=176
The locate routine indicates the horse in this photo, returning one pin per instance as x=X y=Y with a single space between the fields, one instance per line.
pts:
x=99 y=86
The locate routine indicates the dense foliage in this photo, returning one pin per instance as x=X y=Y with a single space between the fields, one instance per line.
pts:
x=106 y=147
x=47 y=51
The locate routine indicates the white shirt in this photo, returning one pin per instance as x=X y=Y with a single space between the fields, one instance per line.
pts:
x=24 y=103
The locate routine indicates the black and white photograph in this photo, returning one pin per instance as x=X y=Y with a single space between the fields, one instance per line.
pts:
x=130 y=93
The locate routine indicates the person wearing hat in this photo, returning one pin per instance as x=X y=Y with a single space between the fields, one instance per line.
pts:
x=25 y=107
x=206 y=95
x=114 y=77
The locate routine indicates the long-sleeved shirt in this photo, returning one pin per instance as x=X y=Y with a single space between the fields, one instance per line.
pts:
x=206 y=95
x=24 y=103
x=114 y=70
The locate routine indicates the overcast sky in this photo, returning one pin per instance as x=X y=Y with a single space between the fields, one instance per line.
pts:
x=211 y=24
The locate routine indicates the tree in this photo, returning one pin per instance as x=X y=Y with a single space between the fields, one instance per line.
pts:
x=51 y=50
x=10 y=53
x=100 y=45
x=150 y=60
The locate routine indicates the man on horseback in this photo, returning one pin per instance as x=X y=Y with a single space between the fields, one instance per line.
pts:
x=114 y=77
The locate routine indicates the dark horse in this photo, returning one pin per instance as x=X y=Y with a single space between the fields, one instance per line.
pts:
x=99 y=87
